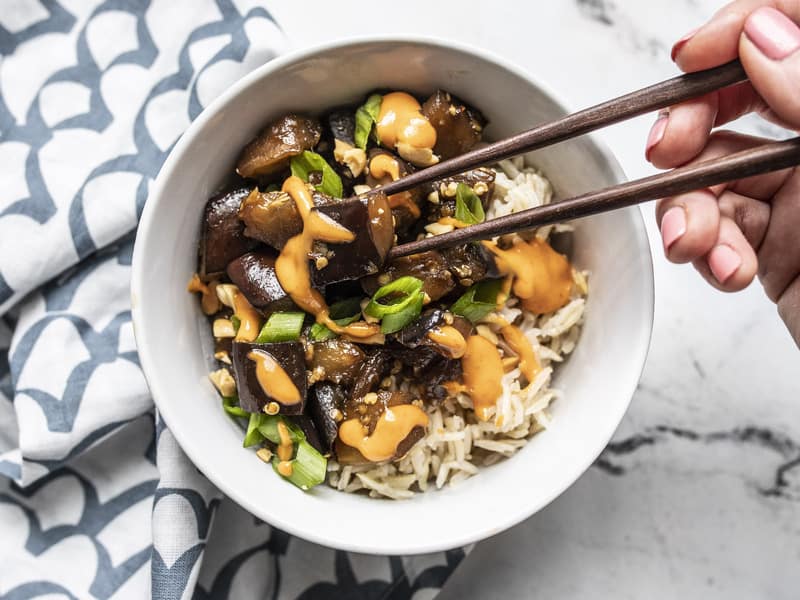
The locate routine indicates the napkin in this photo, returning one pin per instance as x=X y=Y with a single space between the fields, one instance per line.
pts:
x=97 y=499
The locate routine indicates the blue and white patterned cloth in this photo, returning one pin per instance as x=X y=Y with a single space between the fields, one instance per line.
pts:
x=98 y=501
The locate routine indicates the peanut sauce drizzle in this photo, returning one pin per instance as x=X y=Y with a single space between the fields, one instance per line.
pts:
x=392 y=428
x=274 y=381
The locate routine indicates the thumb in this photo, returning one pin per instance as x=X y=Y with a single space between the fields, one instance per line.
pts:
x=769 y=49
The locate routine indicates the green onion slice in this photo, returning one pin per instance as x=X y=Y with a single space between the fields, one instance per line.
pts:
x=479 y=300
x=253 y=435
x=343 y=313
x=268 y=427
x=231 y=406
x=308 y=162
x=396 y=321
x=281 y=327
x=400 y=294
x=236 y=322
x=308 y=466
x=366 y=116
x=469 y=209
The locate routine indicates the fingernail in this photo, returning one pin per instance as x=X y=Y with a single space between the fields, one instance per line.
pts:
x=724 y=261
x=673 y=226
x=682 y=42
x=656 y=132
x=773 y=33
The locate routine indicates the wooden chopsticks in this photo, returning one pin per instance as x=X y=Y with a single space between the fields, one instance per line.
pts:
x=770 y=157
x=755 y=161
x=625 y=107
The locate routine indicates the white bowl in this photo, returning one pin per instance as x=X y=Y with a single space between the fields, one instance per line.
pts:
x=598 y=380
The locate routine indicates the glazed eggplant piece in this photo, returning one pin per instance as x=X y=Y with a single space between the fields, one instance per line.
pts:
x=371 y=220
x=471 y=263
x=405 y=205
x=324 y=400
x=481 y=181
x=341 y=124
x=312 y=433
x=458 y=127
x=416 y=333
x=369 y=414
x=336 y=360
x=254 y=275
x=372 y=371
x=223 y=237
x=433 y=378
x=282 y=378
x=414 y=336
x=275 y=146
x=272 y=217
x=430 y=267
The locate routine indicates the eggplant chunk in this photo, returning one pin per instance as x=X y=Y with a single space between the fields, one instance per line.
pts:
x=312 y=433
x=275 y=146
x=416 y=333
x=439 y=372
x=341 y=123
x=324 y=400
x=253 y=397
x=223 y=233
x=336 y=360
x=372 y=371
x=272 y=217
x=371 y=220
x=369 y=414
x=481 y=180
x=458 y=127
x=471 y=263
x=405 y=205
x=430 y=267
x=254 y=275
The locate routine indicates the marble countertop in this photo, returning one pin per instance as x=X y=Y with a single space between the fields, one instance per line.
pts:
x=699 y=493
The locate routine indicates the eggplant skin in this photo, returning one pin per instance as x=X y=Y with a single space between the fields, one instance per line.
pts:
x=223 y=236
x=445 y=190
x=429 y=267
x=254 y=274
x=309 y=428
x=291 y=358
x=371 y=220
x=275 y=146
x=324 y=400
x=372 y=371
x=416 y=333
x=404 y=217
x=471 y=263
x=458 y=127
x=341 y=124
x=336 y=360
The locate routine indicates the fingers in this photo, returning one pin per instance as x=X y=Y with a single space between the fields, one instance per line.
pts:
x=770 y=52
x=779 y=254
x=689 y=225
x=731 y=264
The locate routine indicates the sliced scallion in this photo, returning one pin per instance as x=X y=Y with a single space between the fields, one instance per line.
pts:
x=396 y=321
x=398 y=295
x=366 y=116
x=281 y=327
x=253 y=435
x=236 y=322
x=268 y=427
x=469 y=209
x=308 y=162
x=231 y=406
x=479 y=300
x=308 y=466
x=343 y=313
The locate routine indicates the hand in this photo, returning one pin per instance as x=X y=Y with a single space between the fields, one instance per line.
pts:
x=732 y=232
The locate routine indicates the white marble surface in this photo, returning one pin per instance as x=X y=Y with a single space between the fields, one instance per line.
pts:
x=696 y=496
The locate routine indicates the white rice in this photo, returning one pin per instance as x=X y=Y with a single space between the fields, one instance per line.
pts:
x=457 y=443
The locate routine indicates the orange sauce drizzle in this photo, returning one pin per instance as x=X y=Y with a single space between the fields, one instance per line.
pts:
x=392 y=428
x=208 y=294
x=483 y=370
x=284 y=450
x=249 y=319
x=449 y=339
x=292 y=268
x=521 y=345
x=542 y=278
x=275 y=382
x=400 y=120
x=384 y=167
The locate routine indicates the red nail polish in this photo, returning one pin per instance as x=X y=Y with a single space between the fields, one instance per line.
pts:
x=682 y=42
